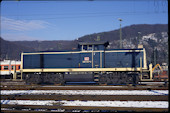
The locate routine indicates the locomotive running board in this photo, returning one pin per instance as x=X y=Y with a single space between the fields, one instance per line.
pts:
x=82 y=70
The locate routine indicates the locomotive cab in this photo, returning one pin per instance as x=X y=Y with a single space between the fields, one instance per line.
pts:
x=92 y=46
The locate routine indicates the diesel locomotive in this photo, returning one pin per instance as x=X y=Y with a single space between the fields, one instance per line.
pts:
x=91 y=62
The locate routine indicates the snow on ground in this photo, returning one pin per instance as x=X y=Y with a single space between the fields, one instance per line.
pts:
x=85 y=92
x=138 y=104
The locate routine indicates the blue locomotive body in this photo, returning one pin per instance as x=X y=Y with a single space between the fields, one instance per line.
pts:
x=89 y=59
x=123 y=59
x=115 y=58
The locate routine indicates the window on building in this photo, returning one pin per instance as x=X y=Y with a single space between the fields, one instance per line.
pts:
x=5 y=67
x=12 y=67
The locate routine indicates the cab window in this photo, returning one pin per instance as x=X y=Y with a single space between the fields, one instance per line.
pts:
x=85 y=47
x=90 y=47
x=96 y=47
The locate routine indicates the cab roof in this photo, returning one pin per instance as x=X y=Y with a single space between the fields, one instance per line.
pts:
x=105 y=43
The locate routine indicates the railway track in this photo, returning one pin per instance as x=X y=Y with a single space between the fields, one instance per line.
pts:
x=9 y=82
x=88 y=97
x=45 y=109
x=153 y=101
x=144 y=86
x=83 y=88
x=84 y=98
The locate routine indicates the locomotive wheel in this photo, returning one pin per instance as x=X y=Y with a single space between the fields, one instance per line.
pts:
x=48 y=78
x=32 y=79
x=57 y=79
x=133 y=78
x=52 y=78
x=119 y=78
x=103 y=79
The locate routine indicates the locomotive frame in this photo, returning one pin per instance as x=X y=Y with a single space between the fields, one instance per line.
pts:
x=86 y=69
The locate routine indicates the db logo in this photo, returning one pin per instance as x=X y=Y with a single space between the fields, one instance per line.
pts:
x=86 y=58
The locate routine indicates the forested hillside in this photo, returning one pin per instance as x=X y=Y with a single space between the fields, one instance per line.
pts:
x=153 y=37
